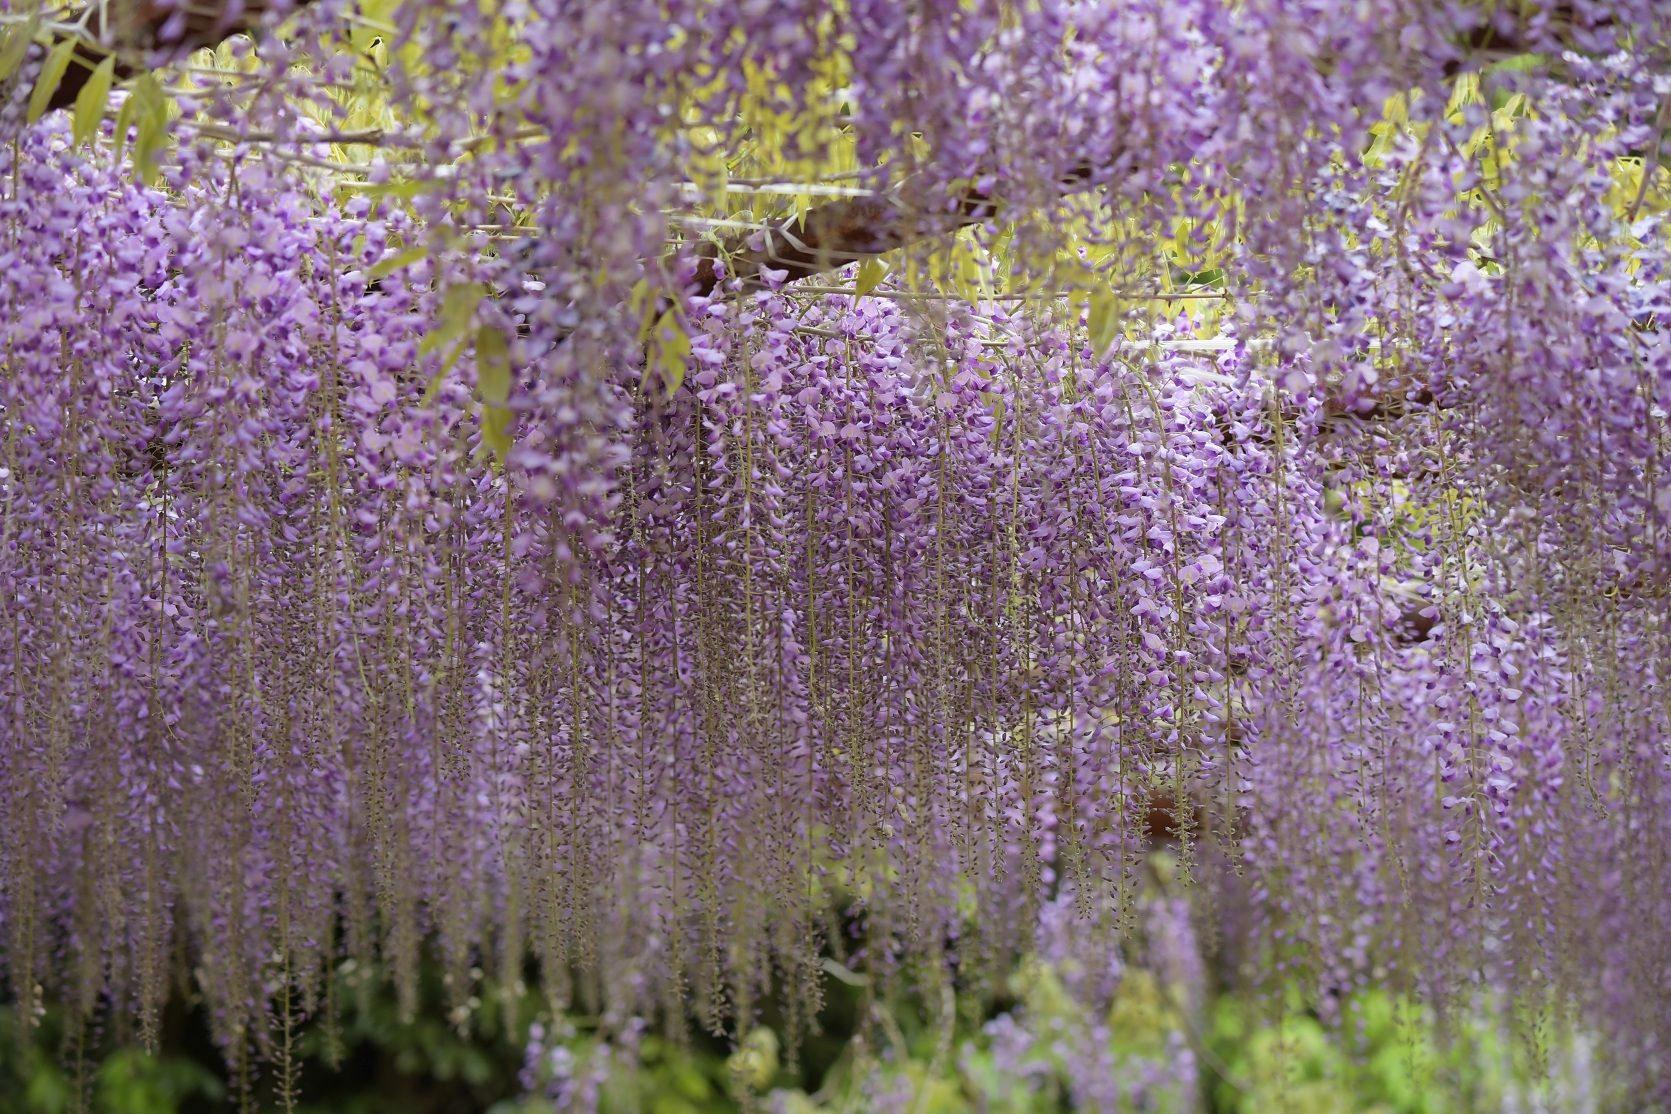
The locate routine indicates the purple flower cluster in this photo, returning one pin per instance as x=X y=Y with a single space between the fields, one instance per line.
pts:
x=350 y=614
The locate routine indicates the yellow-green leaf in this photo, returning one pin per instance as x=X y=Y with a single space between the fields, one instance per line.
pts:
x=440 y=375
x=493 y=382
x=395 y=262
x=399 y=190
x=871 y=272
x=493 y=365
x=18 y=38
x=1103 y=320
x=458 y=307
x=641 y=307
x=124 y=121
x=150 y=116
x=671 y=347
x=52 y=73
x=89 y=103
x=496 y=430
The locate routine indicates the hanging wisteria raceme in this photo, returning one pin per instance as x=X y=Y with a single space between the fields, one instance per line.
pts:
x=376 y=587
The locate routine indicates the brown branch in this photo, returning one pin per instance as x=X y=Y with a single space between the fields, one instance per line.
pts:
x=833 y=235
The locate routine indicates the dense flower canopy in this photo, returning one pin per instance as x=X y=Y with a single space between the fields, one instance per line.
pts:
x=434 y=513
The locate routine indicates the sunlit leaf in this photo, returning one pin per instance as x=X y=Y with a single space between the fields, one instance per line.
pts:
x=871 y=273
x=16 y=48
x=90 y=102
x=150 y=117
x=1104 y=319
x=51 y=76
x=493 y=365
x=395 y=262
x=493 y=383
x=670 y=347
x=496 y=423
x=458 y=307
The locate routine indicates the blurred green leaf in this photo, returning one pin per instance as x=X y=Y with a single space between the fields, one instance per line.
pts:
x=150 y=119
x=493 y=380
x=871 y=273
x=90 y=102
x=670 y=347
x=51 y=76
x=395 y=262
x=16 y=45
x=48 y=1091
x=458 y=308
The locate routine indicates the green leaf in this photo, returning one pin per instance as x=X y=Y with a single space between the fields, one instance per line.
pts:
x=755 y=1061
x=440 y=376
x=150 y=116
x=1518 y=63
x=458 y=307
x=124 y=121
x=493 y=381
x=871 y=272
x=90 y=102
x=496 y=430
x=451 y=330
x=400 y=190
x=1103 y=320
x=16 y=46
x=47 y=1091
x=395 y=262
x=493 y=365
x=688 y=1079
x=641 y=307
x=843 y=974
x=52 y=73
x=671 y=345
